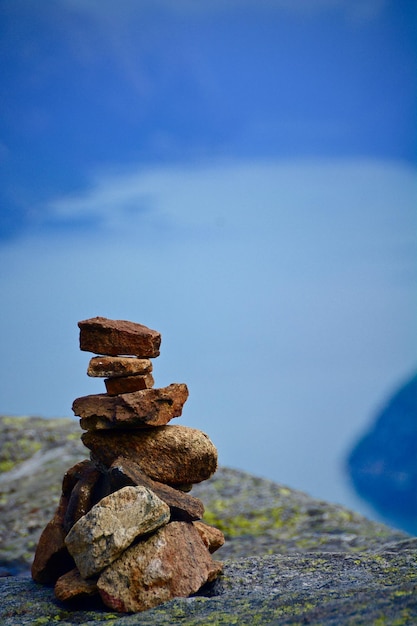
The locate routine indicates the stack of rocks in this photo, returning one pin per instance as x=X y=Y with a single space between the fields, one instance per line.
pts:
x=126 y=527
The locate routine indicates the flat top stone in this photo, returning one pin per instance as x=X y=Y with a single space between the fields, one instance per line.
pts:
x=147 y=407
x=115 y=366
x=118 y=337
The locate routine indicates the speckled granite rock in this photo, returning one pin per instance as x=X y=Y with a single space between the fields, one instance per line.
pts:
x=330 y=589
x=290 y=559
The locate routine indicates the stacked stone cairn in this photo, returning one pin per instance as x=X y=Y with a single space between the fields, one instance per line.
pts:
x=126 y=529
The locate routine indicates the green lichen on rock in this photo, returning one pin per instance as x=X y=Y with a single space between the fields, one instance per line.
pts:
x=22 y=437
x=37 y=452
x=260 y=517
x=327 y=589
x=289 y=559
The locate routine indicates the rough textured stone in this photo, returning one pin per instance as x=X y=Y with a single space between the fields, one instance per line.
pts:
x=82 y=496
x=174 y=455
x=30 y=491
x=173 y=562
x=150 y=407
x=128 y=384
x=212 y=537
x=51 y=557
x=257 y=516
x=71 y=586
x=111 y=525
x=113 y=366
x=321 y=589
x=183 y=506
x=118 y=337
x=73 y=475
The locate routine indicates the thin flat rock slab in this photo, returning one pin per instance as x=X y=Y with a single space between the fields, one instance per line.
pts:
x=149 y=407
x=183 y=506
x=71 y=586
x=98 y=538
x=128 y=384
x=113 y=366
x=118 y=337
x=173 y=562
x=174 y=455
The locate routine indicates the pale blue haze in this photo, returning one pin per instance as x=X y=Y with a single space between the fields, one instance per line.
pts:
x=240 y=178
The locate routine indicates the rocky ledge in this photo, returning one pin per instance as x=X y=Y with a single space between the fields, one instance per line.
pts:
x=289 y=559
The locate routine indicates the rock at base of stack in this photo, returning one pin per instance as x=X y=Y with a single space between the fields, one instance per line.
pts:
x=125 y=529
x=172 y=562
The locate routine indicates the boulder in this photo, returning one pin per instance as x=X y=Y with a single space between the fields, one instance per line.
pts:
x=289 y=558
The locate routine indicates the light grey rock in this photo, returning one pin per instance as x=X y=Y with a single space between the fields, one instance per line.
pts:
x=100 y=536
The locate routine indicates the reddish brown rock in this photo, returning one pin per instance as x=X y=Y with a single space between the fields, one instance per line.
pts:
x=71 y=586
x=128 y=384
x=150 y=407
x=112 y=366
x=212 y=537
x=173 y=562
x=118 y=337
x=183 y=506
x=73 y=475
x=52 y=558
x=175 y=455
x=82 y=496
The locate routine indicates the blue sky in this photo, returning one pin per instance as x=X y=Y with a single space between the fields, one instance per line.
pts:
x=239 y=176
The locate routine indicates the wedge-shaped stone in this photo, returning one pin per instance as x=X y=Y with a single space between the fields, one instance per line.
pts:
x=173 y=562
x=118 y=337
x=71 y=586
x=175 y=455
x=149 y=407
x=98 y=538
x=52 y=558
x=128 y=384
x=212 y=537
x=112 y=366
x=183 y=506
